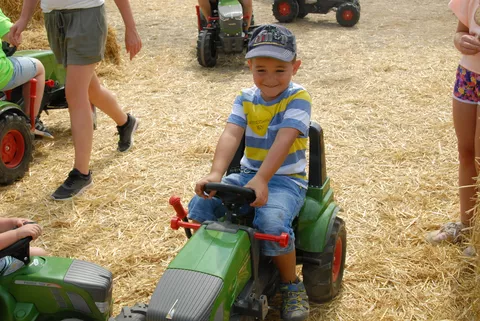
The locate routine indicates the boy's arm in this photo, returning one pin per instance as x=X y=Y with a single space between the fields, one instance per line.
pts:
x=133 y=43
x=16 y=30
x=226 y=147
x=6 y=224
x=274 y=159
x=11 y=236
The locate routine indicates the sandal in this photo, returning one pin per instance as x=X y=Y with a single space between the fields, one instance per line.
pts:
x=452 y=232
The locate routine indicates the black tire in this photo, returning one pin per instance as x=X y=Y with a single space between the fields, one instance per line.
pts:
x=16 y=142
x=348 y=14
x=285 y=10
x=323 y=282
x=206 y=49
x=302 y=11
x=357 y=3
x=136 y=313
x=241 y=318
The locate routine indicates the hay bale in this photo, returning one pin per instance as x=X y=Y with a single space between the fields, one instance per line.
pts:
x=112 y=48
x=13 y=8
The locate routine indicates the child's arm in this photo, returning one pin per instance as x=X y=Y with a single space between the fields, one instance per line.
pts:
x=274 y=159
x=226 y=147
x=133 y=43
x=466 y=43
x=11 y=236
x=28 y=9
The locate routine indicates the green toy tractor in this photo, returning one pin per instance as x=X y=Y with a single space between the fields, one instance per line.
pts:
x=16 y=127
x=53 y=288
x=220 y=275
x=222 y=32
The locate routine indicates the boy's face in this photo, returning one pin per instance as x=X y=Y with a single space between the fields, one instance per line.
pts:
x=272 y=76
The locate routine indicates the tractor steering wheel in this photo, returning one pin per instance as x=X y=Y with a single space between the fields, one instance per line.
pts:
x=231 y=194
x=19 y=250
x=9 y=51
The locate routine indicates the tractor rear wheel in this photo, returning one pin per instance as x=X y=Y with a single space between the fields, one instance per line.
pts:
x=206 y=48
x=285 y=10
x=17 y=148
x=323 y=282
x=302 y=11
x=348 y=14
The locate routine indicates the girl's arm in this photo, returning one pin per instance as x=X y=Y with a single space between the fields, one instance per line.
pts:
x=465 y=42
x=133 y=43
x=27 y=12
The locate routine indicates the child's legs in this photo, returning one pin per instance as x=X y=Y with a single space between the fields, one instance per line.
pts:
x=102 y=98
x=76 y=91
x=40 y=86
x=205 y=7
x=465 y=114
x=37 y=251
x=285 y=199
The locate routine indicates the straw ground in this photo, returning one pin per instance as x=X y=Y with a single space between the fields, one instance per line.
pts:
x=381 y=91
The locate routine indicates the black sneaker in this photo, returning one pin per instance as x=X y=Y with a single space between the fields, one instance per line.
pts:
x=74 y=185
x=41 y=130
x=126 y=133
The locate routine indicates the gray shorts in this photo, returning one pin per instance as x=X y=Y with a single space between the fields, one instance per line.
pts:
x=77 y=36
x=24 y=69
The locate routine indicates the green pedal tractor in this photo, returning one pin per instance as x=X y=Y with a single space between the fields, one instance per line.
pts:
x=53 y=288
x=16 y=127
x=220 y=275
x=222 y=32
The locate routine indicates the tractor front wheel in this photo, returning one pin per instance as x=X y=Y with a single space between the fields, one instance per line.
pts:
x=285 y=10
x=348 y=14
x=17 y=147
x=206 y=48
x=323 y=282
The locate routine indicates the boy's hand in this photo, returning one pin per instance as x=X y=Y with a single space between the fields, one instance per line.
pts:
x=33 y=230
x=200 y=186
x=260 y=186
x=19 y=222
x=468 y=44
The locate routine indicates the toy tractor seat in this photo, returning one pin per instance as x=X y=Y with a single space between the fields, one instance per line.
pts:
x=316 y=169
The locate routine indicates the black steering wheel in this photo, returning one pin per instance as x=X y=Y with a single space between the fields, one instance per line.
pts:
x=7 y=49
x=19 y=250
x=231 y=194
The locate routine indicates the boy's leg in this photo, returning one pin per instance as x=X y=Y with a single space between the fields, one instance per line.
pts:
x=206 y=8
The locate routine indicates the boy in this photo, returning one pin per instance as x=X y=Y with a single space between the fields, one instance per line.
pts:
x=274 y=117
x=17 y=71
x=77 y=33
x=11 y=231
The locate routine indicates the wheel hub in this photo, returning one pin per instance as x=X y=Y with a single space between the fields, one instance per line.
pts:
x=284 y=9
x=337 y=259
x=347 y=15
x=13 y=148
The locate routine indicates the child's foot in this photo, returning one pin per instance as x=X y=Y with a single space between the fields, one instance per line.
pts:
x=295 y=305
x=74 y=185
x=41 y=130
x=450 y=232
x=126 y=132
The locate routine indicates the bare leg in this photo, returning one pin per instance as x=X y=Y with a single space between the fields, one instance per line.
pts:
x=205 y=8
x=286 y=266
x=106 y=101
x=467 y=129
x=247 y=12
x=76 y=90
x=36 y=251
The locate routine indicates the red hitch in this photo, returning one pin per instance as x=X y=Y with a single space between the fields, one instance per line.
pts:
x=282 y=239
x=199 y=21
x=33 y=96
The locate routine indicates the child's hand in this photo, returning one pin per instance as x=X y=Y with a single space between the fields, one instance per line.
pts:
x=200 y=186
x=133 y=43
x=468 y=44
x=19 y=222
x=33 y=230
x=260 y=186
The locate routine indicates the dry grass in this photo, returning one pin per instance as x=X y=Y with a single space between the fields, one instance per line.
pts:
x=381 y=91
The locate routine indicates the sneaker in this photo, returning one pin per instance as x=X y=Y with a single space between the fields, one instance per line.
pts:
x=75 y=184
x=126 y=133
x=452 y=232
x=295 y=305
x=41 y=130
x=470 y=251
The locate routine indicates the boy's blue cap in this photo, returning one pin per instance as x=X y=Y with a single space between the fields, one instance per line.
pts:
x=273 y=41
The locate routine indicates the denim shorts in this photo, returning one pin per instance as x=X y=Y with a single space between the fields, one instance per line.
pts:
x=285 y=199
x=24 y=69
x=467 y=86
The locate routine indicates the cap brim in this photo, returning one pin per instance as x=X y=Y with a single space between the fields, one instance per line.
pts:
x=271 y=52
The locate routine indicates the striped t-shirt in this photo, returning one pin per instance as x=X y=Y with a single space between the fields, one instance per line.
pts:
x=263 y=119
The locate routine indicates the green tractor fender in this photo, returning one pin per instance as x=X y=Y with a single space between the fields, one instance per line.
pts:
x=214 y=266
x=53 y=70
x=8 y=108
x=316 y=219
